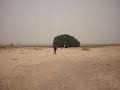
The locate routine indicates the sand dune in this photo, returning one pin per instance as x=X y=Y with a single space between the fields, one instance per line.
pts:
x=37 y=68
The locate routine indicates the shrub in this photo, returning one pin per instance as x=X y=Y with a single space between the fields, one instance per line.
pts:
x=67 y=40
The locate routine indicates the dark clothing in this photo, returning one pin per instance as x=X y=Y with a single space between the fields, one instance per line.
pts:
x=55 y=48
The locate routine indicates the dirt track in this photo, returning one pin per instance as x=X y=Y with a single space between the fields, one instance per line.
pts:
x=71 y=69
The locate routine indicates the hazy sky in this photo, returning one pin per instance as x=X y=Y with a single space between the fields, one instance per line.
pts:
x=39 y=21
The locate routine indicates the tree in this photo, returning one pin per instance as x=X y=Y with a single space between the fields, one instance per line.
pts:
x=67 y=40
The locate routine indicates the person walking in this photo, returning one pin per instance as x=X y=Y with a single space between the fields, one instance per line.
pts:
x=55 y=48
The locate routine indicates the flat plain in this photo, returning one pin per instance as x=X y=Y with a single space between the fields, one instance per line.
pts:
x=82 y=68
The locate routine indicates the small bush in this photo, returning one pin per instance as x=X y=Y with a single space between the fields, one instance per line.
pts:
x=67 y=40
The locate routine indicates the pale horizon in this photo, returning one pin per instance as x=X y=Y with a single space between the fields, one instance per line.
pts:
x=37 y=22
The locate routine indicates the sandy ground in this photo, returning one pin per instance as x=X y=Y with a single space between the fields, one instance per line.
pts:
x=36 y=68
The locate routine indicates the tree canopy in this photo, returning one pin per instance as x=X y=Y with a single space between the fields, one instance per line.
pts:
x=67 y=40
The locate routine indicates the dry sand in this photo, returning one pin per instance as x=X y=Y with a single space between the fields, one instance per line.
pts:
x=36 y=68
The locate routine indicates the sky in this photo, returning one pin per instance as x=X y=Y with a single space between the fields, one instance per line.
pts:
x=39 y=21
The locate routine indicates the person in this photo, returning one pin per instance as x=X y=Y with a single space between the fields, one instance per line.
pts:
x=12 y=45
x=64 y=46
x=55 y=48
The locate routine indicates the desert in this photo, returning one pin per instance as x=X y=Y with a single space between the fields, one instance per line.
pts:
x=80 y=68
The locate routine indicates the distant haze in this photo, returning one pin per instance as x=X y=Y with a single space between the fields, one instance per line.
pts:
x=39 y=21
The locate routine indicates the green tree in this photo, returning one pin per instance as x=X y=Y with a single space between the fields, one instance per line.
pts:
x=67 y=40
